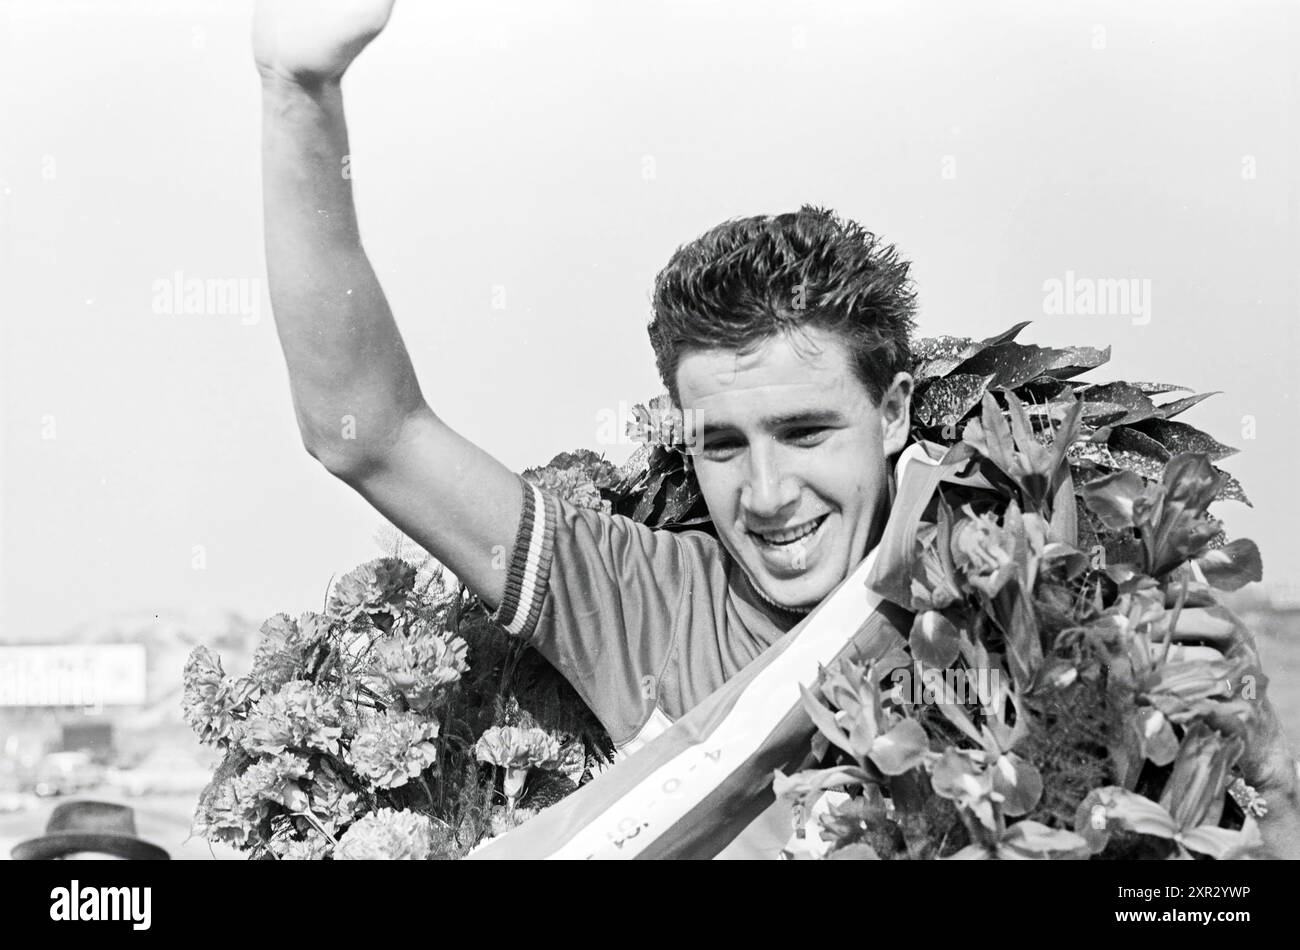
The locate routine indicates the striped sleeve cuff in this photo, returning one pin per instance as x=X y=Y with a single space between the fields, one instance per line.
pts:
x=530 y=564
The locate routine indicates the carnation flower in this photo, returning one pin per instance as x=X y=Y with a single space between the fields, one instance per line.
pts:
x=417 y=665
x=315 y=847
x=286 y=649
x=388 y=835
x=280 y=656
x=392 y=748
x=572 y=484
x=381 y=586
x=202 y=676
x=297 y=716
x=660 y=423
x=276 y=780
x=517 y=750
x=214 y=704
x=229 y=812
x=333 y=802
x=511 y=747
x=315 y=630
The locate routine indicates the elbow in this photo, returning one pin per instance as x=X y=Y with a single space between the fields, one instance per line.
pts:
x=346 y=465
x=352 y=451
x=340 y=453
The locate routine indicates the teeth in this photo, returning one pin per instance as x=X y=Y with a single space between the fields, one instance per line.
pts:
x=786 y=537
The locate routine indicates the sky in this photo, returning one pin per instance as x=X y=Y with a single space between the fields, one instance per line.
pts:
x=522 y=172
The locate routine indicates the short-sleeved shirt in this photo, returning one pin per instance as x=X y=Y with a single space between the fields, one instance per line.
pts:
x=644 y=623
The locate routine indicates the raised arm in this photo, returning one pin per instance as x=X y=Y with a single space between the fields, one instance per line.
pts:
x=358 y=403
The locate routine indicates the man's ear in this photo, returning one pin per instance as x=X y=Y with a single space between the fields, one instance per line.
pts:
x=896 y=414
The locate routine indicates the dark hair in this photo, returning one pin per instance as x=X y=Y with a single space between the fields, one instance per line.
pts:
x=744 y=282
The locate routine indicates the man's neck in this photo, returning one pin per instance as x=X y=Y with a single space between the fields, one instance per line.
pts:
x=795 y=611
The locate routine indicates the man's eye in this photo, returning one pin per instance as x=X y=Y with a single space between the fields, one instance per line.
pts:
x=721 y=449
x=807 y=436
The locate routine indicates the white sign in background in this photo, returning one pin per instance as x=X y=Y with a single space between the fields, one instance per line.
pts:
x=100 y=675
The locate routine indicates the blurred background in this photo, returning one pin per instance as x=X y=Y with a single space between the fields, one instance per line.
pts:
x=523 y=169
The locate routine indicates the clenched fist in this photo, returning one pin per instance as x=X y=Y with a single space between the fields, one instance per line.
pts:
x=310 y=42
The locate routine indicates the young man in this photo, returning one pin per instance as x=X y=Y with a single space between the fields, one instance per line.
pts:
x=784 y=338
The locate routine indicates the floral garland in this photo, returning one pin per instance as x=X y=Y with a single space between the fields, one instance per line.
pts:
x=403 y=723
x=1072 y=594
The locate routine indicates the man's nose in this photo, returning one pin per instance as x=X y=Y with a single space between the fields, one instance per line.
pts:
x=768 y=492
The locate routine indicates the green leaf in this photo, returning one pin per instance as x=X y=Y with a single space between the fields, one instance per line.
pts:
x=1232 y=566
x=1023 y=641
x=1170 y=409
x=1103 y=414
x=1126 y=439
x=1117 y=459
x=1189 y=680
x=948 y=400
x=1005 y=336
x=1193 y=792
x=824 y=720
x=1066 y=434
x=938 y=356
x=649 y=497
x=1035 y=453
x=1154 y=389
x=680 y=493
x=991 y=435
x=1180 y=437
x=1012 y=364
x=1231 y=490
x=1135 y=403
x=955 y=713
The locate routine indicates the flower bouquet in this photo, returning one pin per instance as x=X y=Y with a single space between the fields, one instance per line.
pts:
x=399 y=724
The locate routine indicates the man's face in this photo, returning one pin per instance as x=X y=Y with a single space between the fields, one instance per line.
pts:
x=790 y=454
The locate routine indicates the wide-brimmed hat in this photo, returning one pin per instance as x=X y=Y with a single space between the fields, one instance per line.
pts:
x=89 y=826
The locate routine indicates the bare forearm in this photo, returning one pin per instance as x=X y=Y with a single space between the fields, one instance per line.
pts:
x=352 y=380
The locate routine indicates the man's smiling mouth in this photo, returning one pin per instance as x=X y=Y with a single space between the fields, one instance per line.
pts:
x=788 y=536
